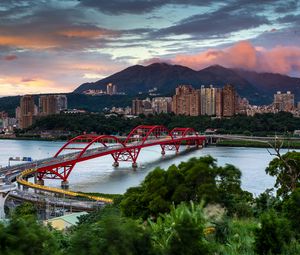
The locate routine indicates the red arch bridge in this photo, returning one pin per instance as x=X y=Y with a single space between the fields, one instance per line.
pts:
x=89 y=146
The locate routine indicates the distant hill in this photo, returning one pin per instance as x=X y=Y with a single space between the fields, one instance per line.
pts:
x=257 y=87
x=270 y=83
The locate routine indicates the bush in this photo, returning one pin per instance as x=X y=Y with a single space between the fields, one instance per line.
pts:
x=273 y=234
x=291 y=209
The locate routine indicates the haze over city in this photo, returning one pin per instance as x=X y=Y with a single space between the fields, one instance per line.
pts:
x=54 y=46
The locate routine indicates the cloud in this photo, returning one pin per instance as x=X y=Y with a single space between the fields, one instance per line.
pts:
x=87 y=33
x=28 y=80
x=48 y=72
x=138 y=6
x=10 y=57
x=154 y=60
x=287 y=6
x=280 y=59
x=51 y=27
x=215 y=24
x=291 y=18
x=15 y=85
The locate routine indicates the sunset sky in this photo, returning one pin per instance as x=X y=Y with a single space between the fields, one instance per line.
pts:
x=55 y=45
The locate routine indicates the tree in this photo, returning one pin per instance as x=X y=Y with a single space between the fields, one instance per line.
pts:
x=24 y=209
x=24 y=235
x=273 y=234
x=181 y=231
x=112 y=235
x=291 y=208
x=286 y=169
x=194 y=180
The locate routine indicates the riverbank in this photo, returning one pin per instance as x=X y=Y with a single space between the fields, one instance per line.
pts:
x=33 y=138
x=257 y=144
x=116 y=197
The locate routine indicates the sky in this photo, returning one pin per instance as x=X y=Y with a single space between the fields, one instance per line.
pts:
x=53 y=46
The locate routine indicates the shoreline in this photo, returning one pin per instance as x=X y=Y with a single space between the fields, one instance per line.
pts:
x=255 y=144
x=34 y=139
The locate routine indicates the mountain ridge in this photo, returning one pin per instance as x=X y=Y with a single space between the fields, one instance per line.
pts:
x=257 y=87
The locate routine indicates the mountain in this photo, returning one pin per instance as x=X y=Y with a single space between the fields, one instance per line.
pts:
x=142 y=78
x=270 y=83
x=257 y=87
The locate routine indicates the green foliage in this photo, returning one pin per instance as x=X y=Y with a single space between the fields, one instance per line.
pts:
x=111 y=235
x=260 y=124
x=25 y=236
x=222 y=230
x=273 y=234
x=181 y=231
x=194 y=180
x=98 y=215
x=292 y=248
x=237 y=201
x=286 y=169
x=291 y=208
x=78 y=123
x=25 y=209
x=265 y=202
x=235 y=236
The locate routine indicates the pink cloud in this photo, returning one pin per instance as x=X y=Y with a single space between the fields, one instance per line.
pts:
x=10 y=57
x=27 y=80
x=281 y=59
x=152 y=61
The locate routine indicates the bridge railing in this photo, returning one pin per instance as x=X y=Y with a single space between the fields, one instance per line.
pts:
x=27 y=172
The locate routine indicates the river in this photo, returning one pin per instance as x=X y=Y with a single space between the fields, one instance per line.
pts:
x=98 y=175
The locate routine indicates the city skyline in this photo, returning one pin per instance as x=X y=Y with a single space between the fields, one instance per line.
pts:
x=55 y=46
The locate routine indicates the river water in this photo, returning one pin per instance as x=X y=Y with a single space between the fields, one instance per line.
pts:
x=98 y=175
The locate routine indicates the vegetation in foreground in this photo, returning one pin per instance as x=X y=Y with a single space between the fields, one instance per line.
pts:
x=196 y=207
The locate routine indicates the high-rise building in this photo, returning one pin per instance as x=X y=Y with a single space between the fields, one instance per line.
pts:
x=52 y=104
x=219 y=102
x=27 y=111
x=43 y=105
x=186 y=101
x=62 y=102
x=205 y=101
x=162 y=104
x=111 y=89
x=208 y=101
x=18 y=113
x=195 y=103
x=284 y=101
x=47 y=105
x=137 y=107
x=147 y=106
x=229 y=101
x=242 y=105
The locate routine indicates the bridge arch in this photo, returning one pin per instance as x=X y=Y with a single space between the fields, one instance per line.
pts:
x=183 y=132
x=143 y=132
x=81 y=139
x=179 y=132
x=87 y=141
x=61 y=165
